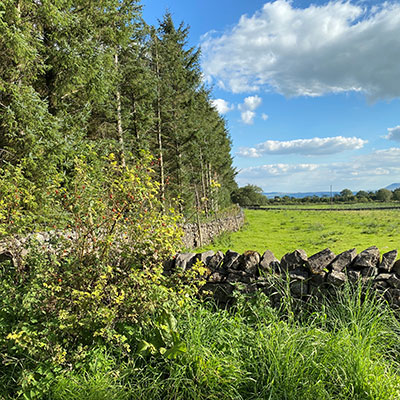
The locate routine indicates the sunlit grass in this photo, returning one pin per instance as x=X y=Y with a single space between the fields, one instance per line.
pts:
x=341 y=349
x=282 y=231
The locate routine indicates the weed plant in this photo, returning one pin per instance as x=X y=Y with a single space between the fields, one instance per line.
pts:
x=343 y=347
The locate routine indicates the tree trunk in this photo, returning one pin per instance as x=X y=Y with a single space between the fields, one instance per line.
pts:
x=119 y=119
x=50 y=75
x=159 y=131
x=203 y=182
x=135 y=127
x=198 y=216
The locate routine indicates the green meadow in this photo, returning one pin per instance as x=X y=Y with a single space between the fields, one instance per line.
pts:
x=282 y=231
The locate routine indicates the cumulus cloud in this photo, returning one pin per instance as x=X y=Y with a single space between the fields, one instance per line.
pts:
x=369 y=171
x=386 y=158
x=314 y=146
x=331 y=48
x=248 y=117
x=248 y=108
x=394 y=133
x=222 y=106
x=251 y=103
x=264 y=116
x=277 y=169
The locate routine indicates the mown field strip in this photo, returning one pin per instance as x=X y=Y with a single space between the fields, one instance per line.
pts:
x=282 y=231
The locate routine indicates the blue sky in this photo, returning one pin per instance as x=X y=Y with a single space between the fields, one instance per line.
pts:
x=310 y=90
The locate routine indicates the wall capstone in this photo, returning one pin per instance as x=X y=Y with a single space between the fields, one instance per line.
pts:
x=307 y=276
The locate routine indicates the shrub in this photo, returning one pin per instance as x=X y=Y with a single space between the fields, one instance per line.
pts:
x=97 y=280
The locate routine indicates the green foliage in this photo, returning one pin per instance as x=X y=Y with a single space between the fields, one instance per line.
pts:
x=87 y=93
x=384 y=195
x=75 y=72
x=346 y=194
x=341 y=348
x=164 y=339
x=249 y=195
x=396 y=194
x=100 y=281
x=95 y=379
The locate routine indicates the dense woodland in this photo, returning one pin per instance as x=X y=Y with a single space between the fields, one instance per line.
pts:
x=108 y=142
x=79 y=75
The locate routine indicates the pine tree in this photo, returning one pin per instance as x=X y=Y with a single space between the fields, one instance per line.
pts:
x=75 y=72
x=179 y=77
x=27 y=130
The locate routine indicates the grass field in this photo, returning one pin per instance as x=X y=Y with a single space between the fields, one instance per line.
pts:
x=335 y=206
x=282 y=231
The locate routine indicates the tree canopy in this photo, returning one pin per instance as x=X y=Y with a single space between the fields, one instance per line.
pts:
x=79 y=72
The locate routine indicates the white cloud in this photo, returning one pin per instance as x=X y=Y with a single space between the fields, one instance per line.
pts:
x=248 y=117
x=331 y=48
x=394 y=133
x=248 y=107
x=264 y=116
x=387 y=158
x=222 y=106
x=277 y=169
x=314 y=146
x=368 y=172
x=251 y=103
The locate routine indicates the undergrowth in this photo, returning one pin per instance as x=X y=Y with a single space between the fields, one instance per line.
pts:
x=346 y=347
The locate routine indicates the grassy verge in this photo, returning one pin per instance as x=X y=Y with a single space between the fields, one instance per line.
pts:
x=283 y=231
x=347 y=349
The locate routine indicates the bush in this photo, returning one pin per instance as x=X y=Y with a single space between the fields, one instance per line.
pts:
x=97 y=279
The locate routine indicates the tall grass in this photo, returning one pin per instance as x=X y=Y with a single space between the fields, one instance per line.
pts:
x=345 y=347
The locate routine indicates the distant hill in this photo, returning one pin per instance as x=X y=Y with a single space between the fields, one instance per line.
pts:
x=271 y=195
x=393 y=186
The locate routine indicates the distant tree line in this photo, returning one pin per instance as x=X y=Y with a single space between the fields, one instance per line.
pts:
x=82 y=73
x=249 y=195
x=252 y=195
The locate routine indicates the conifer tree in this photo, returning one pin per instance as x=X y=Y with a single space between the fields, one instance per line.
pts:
x=75 y=72
x=27 y=130
x=179 y=78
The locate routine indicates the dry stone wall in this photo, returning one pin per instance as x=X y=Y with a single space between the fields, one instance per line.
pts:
x=196 y=235
x=306 y=276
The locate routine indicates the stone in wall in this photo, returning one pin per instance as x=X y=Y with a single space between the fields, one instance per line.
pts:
x=343 y=260
x=319 y=262
x=396 y=267
x=250 y=262
x=369 y=258
x=184 y=261
x=291 y=261
x=269 y=263
x=204 y=257
x=321 y=273
x=231 y=260
x=388 y=260
x=216 y=260
x=337 y=278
